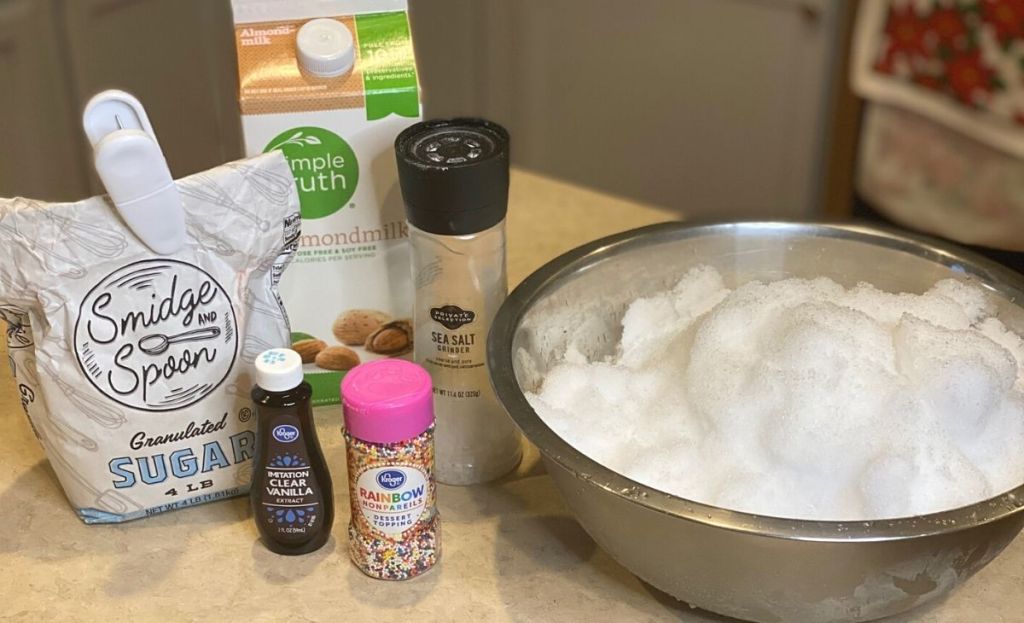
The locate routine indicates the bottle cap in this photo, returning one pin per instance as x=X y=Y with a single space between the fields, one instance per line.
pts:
x=454 y=175
x=387 y=401
x=279 y=369
x=325 y=48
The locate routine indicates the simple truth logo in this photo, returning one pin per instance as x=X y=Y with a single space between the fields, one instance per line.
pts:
x=325 y=168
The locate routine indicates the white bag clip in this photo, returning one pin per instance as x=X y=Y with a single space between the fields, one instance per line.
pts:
x=132 y=167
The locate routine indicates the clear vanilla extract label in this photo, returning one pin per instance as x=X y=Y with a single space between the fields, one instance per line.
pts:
x=290 y=499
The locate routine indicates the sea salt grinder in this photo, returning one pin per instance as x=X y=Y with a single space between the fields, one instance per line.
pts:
x=394 y=533
x=454 y=179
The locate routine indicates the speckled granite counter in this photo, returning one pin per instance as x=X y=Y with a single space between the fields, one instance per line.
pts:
x=511 y=550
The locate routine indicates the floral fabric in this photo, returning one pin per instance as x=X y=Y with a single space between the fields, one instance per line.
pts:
x=942 y=142
x=957 y=62
x=927 y=177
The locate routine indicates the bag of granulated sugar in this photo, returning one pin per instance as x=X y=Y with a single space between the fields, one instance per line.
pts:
x=133 y=366
x=331 y=83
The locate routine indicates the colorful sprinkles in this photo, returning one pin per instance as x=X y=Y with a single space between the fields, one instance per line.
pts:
x=416 y=549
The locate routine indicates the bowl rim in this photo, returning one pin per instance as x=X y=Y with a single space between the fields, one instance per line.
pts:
x=993 y=275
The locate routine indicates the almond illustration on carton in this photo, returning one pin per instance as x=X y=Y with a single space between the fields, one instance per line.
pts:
x=355 y=325
x=392 y=338
x=338 y=358
x=309 y=349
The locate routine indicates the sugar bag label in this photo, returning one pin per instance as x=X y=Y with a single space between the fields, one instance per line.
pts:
x=134 y=369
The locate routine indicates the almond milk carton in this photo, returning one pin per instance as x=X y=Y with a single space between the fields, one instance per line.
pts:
x=331 y=83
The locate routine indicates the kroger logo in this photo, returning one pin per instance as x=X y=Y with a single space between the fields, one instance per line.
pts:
x=391 y=479
x=285 y=433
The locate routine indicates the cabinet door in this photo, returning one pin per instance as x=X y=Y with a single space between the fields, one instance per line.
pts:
x=711 y=107
x=41 y=143
x=177 y=57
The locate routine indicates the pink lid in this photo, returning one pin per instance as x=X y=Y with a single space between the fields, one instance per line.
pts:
x=387 y=401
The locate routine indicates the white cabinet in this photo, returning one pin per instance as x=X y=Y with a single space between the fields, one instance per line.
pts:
x=41 y=147
x=177 y=56
x=710 y=107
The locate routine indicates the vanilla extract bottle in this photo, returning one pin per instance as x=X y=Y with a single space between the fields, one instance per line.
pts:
x=291 y=495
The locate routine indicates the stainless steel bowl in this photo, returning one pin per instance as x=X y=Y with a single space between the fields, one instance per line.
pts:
x=742 y=565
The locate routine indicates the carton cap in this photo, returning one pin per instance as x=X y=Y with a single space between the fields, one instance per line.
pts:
x=325 y=48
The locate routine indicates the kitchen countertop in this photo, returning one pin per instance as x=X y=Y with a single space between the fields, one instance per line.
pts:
x=512 y=551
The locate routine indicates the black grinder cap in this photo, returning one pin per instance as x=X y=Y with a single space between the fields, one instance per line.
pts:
x=454 y=175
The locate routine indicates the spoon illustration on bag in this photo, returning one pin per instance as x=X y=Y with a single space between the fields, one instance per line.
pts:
x=27 y=373
x=157 y=344
x=93 y=238
x=18 y=333
x=207 y=190
x=267 y=184
x=97 y=410
x=110 y=500
x=53 y=259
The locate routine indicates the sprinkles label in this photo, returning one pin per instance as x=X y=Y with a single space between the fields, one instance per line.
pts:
x=392 y=498
x=394 y=531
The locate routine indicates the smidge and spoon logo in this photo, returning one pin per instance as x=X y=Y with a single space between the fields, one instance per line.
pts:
x=324 y=166
x=391 y=479
x=156 y=335
x=285 y=433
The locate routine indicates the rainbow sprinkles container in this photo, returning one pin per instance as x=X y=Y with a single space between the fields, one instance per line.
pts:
x=394 y=533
